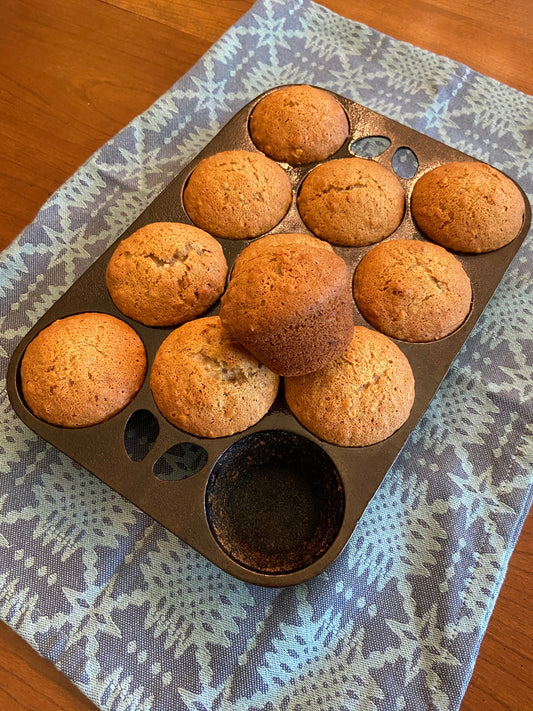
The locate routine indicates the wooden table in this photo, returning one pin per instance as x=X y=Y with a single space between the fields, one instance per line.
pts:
x=74 y=72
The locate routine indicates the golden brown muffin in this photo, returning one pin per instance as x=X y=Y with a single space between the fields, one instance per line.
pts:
x=166 y=273
x=207 y=384
x=360 y=398
x=278 y=241
x=351 y=201
x=289 y=303
x=412 y=290
x=299 y=124
x=468 y=206
x=82 y=369
x=237 y=194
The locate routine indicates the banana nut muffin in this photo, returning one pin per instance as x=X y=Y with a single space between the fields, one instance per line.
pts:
x=82 y=369
x=360 y=398
x=289 y=302
x=299 y=124
x=412 y=290
x=237 y=194
x=207 y=384
x=468 y=207
x=351 y=201
x=166 y=273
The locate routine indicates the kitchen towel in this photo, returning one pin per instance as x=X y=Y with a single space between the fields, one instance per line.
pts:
x=137 y=619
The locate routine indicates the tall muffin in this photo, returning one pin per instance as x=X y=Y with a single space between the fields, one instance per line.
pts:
x=166 y=273
x=289 y=303
x=207 y=384
x=299 y=124
x=360 y=398
x=412 y=290
x=351 y=201
x=82 y=369
x=237 y=194
x=468 y=206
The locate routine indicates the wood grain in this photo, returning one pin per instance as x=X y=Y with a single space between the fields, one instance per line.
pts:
x=72 y=74
x=30 y=683
x=209 y=18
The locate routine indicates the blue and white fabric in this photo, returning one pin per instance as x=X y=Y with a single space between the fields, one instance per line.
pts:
x=137 y=619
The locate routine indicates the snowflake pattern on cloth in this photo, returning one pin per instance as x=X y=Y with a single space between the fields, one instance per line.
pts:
x=137 y=619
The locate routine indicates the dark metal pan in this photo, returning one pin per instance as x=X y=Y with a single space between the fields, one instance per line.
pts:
x=274 y=505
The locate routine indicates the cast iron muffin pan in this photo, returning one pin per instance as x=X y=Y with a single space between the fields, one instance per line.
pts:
x=273 y=505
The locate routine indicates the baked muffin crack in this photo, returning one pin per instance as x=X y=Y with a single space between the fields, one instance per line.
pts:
x=180 y=255
x=222 y=370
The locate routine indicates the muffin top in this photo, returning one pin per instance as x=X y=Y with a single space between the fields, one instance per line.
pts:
x=468 y=207
x=299 y=124
x=166 y=273
x=369 y=391
x=279 y=275
x=351 y=201
x=237 y=194
x=289 y=302
x=82 y=369
x=412 y=290
x=207 y=384
x=271 y=245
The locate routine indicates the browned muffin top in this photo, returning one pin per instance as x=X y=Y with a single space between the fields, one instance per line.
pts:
x=351 y=201
x=299 y=124
x=412 y=290
x=279 y=242
x=82 y=369
x=237 y=194
x=289 y=302
x=166 y=273
x=468 y=206
x=207 y=384
x=360 y=398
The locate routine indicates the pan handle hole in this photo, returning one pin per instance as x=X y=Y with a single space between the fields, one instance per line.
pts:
x=180 y=461
x=140 y=434
x=404 y=163
x=369 y=146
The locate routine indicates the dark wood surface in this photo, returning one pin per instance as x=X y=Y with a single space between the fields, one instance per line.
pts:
x=74 y=72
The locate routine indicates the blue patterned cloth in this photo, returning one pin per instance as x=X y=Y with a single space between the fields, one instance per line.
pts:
x=141 y=622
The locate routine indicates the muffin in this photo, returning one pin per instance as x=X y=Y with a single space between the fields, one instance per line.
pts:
x=278 y=241
x=82 y=369
x=360 y=398
x=166 y=273
x=237 y=194
x=412 y=290
x=289 y=303
x=299 y=124
x=468 y=206
x=207 y=384
x=351 y=201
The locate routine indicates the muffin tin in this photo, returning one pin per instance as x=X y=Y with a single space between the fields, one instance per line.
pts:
x=273 y=505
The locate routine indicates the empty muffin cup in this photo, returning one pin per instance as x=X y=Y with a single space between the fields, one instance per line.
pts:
x=275 y=502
